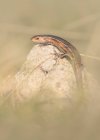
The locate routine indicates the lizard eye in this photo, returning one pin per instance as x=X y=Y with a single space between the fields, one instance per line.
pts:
x=37 y=38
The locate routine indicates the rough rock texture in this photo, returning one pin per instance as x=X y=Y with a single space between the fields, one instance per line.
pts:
x=45 y=72
x=47 y=76
x=43 y=69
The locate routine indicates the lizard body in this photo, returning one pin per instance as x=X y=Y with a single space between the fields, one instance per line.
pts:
x=68 y=50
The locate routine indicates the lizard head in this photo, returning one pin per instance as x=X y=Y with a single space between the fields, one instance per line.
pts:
x=40 y=39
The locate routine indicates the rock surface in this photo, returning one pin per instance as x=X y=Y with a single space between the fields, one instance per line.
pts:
x=47 y=76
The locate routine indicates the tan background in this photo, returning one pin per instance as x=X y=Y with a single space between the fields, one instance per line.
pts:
x=77 y=21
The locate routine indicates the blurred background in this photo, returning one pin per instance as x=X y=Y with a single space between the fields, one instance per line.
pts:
x=77 y=21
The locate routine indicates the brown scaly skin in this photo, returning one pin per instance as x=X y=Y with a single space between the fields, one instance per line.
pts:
x=68 y=50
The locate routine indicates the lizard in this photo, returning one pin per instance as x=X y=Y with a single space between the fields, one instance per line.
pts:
x=68 y=51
